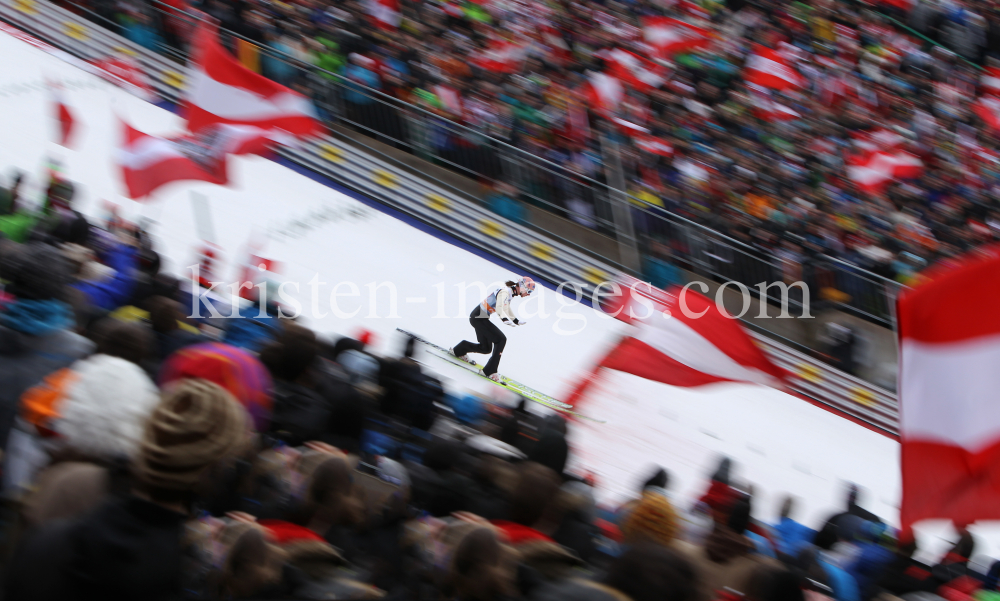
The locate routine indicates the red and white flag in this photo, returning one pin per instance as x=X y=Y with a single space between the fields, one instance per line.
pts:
x=768 y=69
x=221 y=90
x=872 y=171
x=673 y=36
x=987 y=108
x=949 y=391
x=501 y=56
x=604 y=92
x=385 y=14
x=682 y=339
x=640 y=73
x=989 y=83
x=653 y=145
x=765 y=108
x=148 y=162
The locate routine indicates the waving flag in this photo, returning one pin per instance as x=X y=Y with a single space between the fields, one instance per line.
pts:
x=673 y=36
x=872 y=171
x=653 y=145
x=385 y=14
x=949 y=390
x=682 y=339
x=987 y=108
x=501 y=56
x=221 y=90
x=148 y=162
x=604 y=92
x=768 y=69
x=989 y=83
x=765 y=108
x=640 y=73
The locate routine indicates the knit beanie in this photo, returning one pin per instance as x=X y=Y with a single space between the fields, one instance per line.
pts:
x=196 y=424
x=106 y=407
x=653 y=518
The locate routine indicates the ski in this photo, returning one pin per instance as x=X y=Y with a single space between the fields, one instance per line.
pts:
x=528 y=393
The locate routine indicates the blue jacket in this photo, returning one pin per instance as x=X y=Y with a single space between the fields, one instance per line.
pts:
x=792 y=536
x=116 y=292
x=845 y=588
x=354 y=91
x=251 y=331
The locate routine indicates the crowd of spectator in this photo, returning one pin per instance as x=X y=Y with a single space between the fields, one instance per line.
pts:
x=781 y=188
x=149 y=454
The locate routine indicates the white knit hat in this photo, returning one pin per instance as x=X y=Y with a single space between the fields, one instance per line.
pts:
x=106 y=407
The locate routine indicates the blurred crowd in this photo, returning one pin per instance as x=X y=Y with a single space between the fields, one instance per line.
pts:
x=152 y=454
x=521 y=73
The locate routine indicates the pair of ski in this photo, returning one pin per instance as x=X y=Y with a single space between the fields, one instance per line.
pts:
x=529 y=393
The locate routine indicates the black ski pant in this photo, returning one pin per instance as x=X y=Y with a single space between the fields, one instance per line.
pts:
x=489 y=338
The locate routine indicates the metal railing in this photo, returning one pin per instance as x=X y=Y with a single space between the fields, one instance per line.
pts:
x=491 y=153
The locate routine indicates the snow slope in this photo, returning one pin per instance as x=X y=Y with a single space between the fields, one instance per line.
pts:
x=780 y=443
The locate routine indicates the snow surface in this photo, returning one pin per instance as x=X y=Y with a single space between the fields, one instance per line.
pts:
x=780 y=444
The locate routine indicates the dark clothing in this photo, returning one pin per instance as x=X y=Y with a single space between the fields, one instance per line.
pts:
x=551 y=450
x=489 y=338
x=299 y=415
x=410 y=394
x=125 y=549
x=906 y=575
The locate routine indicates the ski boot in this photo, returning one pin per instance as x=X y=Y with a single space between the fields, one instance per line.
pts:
x=462 y=358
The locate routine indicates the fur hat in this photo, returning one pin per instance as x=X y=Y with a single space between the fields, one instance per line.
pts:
x=106 y=407
x=653 y=519
x=196 y=424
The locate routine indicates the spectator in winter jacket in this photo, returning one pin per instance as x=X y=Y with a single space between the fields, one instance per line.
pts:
x=110 y=291
x=844 y=586
x=853 y=509
x=791 y=536
x=131 y=548
x=481 y=568
x=552 y=450
x=301 y=413
x=652 y=519
x=169 y=329
x=36 y=336
x=645 y=572
x=906 y=575
x=726 y=560
x=91 y=412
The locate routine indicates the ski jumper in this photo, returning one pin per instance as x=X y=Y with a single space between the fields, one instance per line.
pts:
x=488 y=335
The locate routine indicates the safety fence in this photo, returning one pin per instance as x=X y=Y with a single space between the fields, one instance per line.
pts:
x=370 y=172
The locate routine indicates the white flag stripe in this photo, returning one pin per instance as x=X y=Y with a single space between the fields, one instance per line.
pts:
x=772 y=67
x=146 y=152
x=947 y=403
x=677 y=340
x=236 y=104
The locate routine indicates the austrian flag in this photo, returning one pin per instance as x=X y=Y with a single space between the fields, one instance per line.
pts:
x=221 y=90
x=673 y=36
x=768 y=69
x=949 y=391
x=148 y=162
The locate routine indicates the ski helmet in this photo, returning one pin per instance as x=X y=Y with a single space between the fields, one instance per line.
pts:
x=526 y=284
